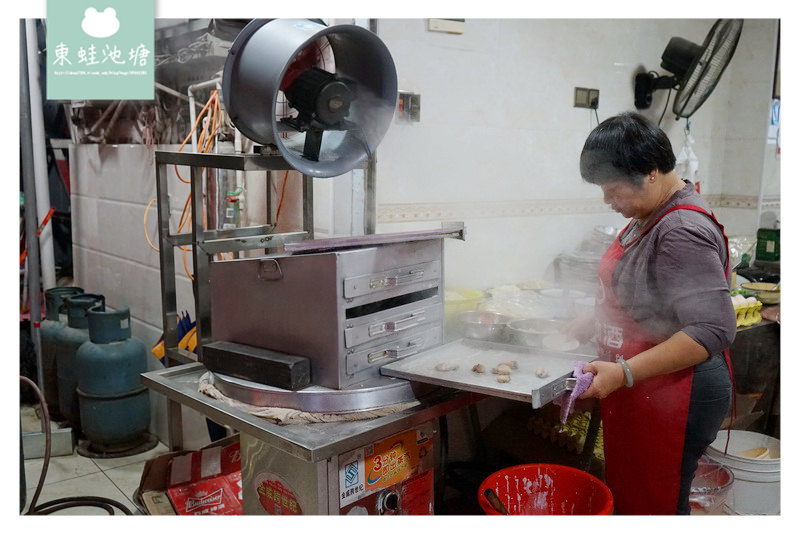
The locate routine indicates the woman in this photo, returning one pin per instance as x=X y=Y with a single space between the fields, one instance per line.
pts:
x=663 y=323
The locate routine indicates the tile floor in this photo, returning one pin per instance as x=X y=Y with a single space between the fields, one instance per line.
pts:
x=76 y=475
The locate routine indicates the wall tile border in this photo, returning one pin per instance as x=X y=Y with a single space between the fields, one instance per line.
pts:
x=419 y=212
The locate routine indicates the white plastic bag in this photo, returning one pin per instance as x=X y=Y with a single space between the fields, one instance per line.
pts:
x=686 y=163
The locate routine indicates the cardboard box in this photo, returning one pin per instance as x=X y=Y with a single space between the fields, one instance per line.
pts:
x=213 y=473
x=219 y=495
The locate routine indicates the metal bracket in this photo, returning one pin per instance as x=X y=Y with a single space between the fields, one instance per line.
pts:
x=550 y=392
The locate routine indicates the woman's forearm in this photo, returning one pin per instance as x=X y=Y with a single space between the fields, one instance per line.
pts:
x=676 y=353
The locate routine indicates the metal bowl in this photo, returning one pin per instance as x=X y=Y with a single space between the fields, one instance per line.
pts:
x=766 y=293
x=530 y=331
x=483 y=325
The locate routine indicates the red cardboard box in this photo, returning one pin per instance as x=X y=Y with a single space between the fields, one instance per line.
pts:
x=217 y=466
x=220 y=495
x=208 y=462
x=207 y=482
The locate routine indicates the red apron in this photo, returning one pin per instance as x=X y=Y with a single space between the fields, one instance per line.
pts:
x=644 y=426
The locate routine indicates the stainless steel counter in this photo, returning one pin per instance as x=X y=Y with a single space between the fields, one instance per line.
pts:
x=309 y=442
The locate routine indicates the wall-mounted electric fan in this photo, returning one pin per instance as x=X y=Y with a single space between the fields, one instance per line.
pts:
x=339 y=83
x=696 y=69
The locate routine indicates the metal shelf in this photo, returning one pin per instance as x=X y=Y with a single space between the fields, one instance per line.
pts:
x=205 y=244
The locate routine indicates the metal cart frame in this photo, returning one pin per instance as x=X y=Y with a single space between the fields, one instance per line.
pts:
x=206 y=243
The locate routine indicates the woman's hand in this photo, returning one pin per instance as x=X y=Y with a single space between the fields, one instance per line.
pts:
x=608 y=377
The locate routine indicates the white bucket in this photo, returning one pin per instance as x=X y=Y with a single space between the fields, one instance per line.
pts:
x=756 y=487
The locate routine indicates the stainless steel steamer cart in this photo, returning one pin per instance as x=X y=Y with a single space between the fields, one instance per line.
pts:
x=349 y=305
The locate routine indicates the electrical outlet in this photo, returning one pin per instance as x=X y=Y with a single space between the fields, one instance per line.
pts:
x=594 y=98
x=588 y=98
x=408 y=106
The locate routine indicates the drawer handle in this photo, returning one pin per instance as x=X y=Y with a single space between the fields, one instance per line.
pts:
x=411 y=349
x=269 y=270
x=397 y=325
x=395 y=281
x=394 y=353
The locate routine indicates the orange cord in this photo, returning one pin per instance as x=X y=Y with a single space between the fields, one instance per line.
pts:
x=211 y=110
x=283 y=195
x=146 y=209
x=213 y=99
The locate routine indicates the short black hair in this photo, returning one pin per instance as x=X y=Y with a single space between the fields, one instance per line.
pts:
x=625 y=147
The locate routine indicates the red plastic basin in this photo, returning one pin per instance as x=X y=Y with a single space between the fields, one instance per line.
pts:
x=546 y=489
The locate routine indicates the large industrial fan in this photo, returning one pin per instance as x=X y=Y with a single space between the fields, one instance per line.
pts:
x=696 y=69
x=339 y=83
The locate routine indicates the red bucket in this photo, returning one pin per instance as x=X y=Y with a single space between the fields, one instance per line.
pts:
x=545 y=489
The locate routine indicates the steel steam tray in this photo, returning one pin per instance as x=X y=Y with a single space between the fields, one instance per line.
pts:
x=524 y=385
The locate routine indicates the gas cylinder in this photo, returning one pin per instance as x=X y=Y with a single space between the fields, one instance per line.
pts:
x=68 y=340
x=114 y=405
x=55 y=320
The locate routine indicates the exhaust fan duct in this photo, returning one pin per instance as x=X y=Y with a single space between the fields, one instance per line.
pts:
x=324 y=96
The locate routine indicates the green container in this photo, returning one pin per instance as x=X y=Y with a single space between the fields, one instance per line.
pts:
x=55 y=320
x=768 y=244
x=114 y=405
x=68 y=340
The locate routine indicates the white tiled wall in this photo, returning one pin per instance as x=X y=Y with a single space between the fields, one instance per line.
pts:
x=497 y=147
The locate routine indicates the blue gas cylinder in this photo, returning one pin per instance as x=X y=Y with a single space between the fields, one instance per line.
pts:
x=55 y=320
x=114 y=405
x=68 y=340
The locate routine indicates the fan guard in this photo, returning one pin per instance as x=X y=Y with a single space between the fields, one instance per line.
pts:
x=697 y=69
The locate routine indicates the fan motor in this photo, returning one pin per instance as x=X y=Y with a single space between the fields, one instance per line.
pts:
x=679 y=55
x=319 y=95
x=696 y=69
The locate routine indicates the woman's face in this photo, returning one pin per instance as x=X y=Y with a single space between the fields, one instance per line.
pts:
x=629 y=200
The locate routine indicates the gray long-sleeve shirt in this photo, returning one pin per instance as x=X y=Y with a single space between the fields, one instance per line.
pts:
x=673 y=278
